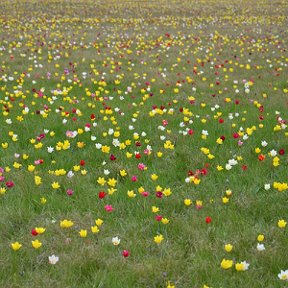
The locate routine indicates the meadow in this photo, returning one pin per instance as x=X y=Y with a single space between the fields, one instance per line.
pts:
x=143 y=144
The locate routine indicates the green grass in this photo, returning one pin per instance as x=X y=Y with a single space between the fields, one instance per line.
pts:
x=206 y=50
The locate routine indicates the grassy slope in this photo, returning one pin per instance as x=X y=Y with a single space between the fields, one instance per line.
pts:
x=191 y=252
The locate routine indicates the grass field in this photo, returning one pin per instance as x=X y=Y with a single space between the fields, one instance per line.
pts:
x=143 y=144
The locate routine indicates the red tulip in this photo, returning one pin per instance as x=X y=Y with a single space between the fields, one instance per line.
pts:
x=125 y=253
x=208 y=220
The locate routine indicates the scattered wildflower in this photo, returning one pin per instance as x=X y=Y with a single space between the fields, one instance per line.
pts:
x=125 y=253
x=170 y=285
x=36 y=244
x=158 y=239
x=99 y=222
x=131 y=194
x=53 y=259
x=282 y=223
x=2 y=190
x=116 y=241
x=228 y=247
x=226 y=264
x=43 y=200
x=83 y=233
x=40 y=230
x=267 y=186
x=187 y=202
x=208 y=220
x=66 y=224
x=283 y=275
x=69 y=192
x=50 y=149
x=260 y=237
x=94 y=229
x=242 y=266
x=260 y=247
x=55 y=185
x=108 y=208
x=16 y=246
x=101 y=181
x=123 y=173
